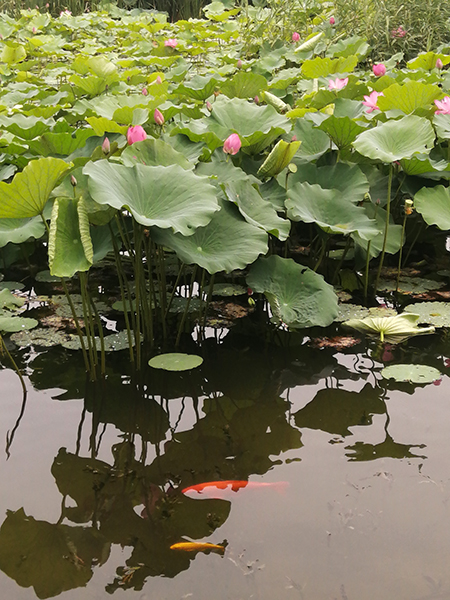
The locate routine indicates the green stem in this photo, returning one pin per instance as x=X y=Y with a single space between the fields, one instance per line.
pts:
x=401 y=252
x=183 y=319
x=4 y=349
x=321 y=255
x=388 y=214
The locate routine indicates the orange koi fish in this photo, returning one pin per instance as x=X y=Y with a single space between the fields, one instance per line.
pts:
x=216 y=489
x=198 y=547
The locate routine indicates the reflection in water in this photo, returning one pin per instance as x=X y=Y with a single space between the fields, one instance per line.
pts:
x=241 y=426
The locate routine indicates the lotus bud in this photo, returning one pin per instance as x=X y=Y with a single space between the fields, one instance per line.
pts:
x=232 y=144
x=34 y=30
x=144 y=91
x=209 y=106
x=379 y=69
x=239 y=64
x=294 y=138
x=136 y=134
x=73 y=181
x=106 y=146
x=158 y=117
x=171 y=43
x=158 y=80
x=295 y=37
x=439 y=64
x=332 y=20
x=256 y=100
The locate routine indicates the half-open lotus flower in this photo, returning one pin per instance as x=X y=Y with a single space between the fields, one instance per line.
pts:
x=136 y=134
x=443 y=106
x=337 y=84
x=232 y=144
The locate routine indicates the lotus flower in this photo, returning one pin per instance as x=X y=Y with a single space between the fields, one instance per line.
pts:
x=295 y=37
x=239 y=64
x=232 y=144
x=106 y=146
x=171 y=43
x=136 y=134
x=439 y=64
x=144 y=91
x=158 y=80
x=332 y=20
x=158 y=117
x=337 y=84
x=443 y=106
x=398 y=33
x=379 y=69
x=371 y=101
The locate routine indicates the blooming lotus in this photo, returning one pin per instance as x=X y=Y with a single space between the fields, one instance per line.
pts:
x=136 y=134
x=171 y=43
x=232 y=144
x=337 y=84
x=371 y=101
x=398 y=33
x=158 y=117
x=379 y=69
x=295 y=37
x=443 y=106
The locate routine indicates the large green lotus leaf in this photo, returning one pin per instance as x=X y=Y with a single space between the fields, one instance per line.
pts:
x=314 y=142
x=394 y=234
x=29 y=191
x=200 y=87
x=256 y=210
x=15 y=324
x=390 y=327
x=225 y=244
x=13 y=53
x=102 y=67
x=298 y=296
x=442 y=126
x=425 y=166
x=409 y=96
x=408 y=285
x=333 y=213
x=91 y=85
x=25 y=127
x=348 y=179
x=153 y=152
x=168 y=197
x=9 y=301
x=50 y=558
x=175 y=361
x=427 y=61
x=434 y=206
x=411 y=373
x=395 y=140
x=17 y=231
x=69 y=246
x=322 y=67
x=100 y=125
x=244 y=85
x=435 y=313
x=60 y=144
x=342 y=130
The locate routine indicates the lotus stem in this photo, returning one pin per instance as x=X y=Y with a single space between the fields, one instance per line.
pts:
x=388 y=214
x=341 y=262
x=186 y=310
x=4 y=349
x=175 y=286
x=408 y=207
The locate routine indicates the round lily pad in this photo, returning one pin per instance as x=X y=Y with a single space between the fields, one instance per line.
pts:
x=355 y=311
x=228 y=289
x=175 y=361
x=411 y=373
x=435 y=313
x=14 y=324
x=410 y=285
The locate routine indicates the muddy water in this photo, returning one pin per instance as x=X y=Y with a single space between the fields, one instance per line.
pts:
x=91 y=492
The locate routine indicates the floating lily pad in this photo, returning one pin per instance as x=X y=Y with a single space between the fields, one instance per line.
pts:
x=11 y=285
x=411 y=373
x=46 y=338
x=410 y=285
x=8 y=300
x=45 y=277
x=175 y=362
x=14 y=324
x=435 y=313
x=114 y=342
x=355 y=311
x=228 y=289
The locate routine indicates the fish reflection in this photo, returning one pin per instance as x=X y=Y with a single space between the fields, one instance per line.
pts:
x=221 y=489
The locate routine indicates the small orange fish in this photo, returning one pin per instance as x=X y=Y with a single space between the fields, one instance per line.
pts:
x=198 y=547
x=216 y=489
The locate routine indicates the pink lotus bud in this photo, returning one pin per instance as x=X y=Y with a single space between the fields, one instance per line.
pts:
x=232 y=144
x=158 y=80
x=209 y=106
x=439 y=64
x=34 y=30
x=332 y=20
x=136 y=134
x=144 y=92
x=73 y=181
x=47 y=5
x=158 y=117
x=379 y=69
x=295 y=37
x=106 y=146
x=171 y=43
x=239 y=64
x=256 y=99
x=294 y=138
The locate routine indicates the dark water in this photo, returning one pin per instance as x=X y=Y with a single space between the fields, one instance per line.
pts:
x=91 y=492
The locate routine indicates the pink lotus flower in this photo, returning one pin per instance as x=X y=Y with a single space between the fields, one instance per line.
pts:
x=106 y=146
x=232 y=144
x=171 y=43
x=136 y=134
x=379 y=69
x=371 y=101
x=239 y=64
x=443 y=106
x=337 y=84
x=295 y=37
x=439 y=64
x=398 y=33
x=144 y=92
x=209 y=106
x=158 y=80
x=158 y=117
x=332 y=20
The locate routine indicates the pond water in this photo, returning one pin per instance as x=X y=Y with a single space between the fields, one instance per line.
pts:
x=359 y=496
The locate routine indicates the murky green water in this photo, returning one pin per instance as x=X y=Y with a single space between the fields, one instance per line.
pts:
x=91 y=492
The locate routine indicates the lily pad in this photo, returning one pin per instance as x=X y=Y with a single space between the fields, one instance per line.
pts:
x=355 y=311
x=44 y=337
x=14 y=324
x=435 y=313
x=404 y=325
x=229 y=289
x=175 y=361
x=411 y=373
x=410 y=285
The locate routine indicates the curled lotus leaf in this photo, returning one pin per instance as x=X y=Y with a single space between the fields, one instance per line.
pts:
x=404 y=325
x=411 y=373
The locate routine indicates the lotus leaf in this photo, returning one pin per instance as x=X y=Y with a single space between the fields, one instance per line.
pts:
x=228 y=289
x=278 y=159
x=404 y=325
x=411 y=373
x=20 y=230
x=436 y=313
x=410 y=285
x=349 y=180
x=434 y=206
x=14 y=324
x=342 y=130
x=298 y=296
x=244 y=85
x=169 y=197
x=154 y=152
x=409 y=96
x=175 y=362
